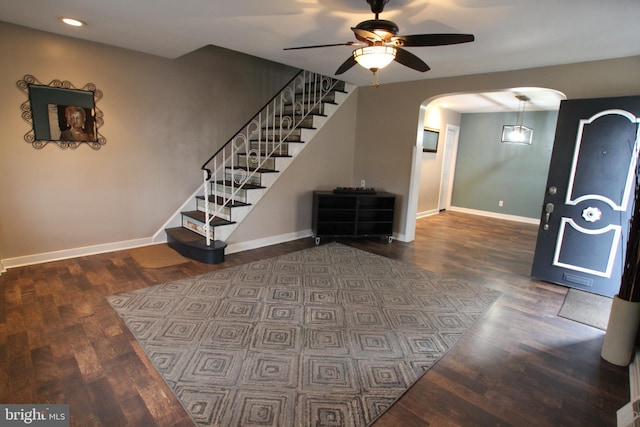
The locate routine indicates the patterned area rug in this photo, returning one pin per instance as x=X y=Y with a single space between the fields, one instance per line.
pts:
x=327 y=336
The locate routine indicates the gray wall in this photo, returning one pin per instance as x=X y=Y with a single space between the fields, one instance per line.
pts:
x=163 y=118
x=488 y=171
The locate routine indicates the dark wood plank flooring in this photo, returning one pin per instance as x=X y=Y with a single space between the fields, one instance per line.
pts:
x=521 y=365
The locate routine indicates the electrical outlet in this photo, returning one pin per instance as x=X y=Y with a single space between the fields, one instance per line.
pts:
x=501 y=203
x=362 y=183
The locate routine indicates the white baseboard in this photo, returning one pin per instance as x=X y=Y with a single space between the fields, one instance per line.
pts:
x=130 y=244
x=496 y=215
x=232 y=248
x=425 y=214
x=634 y=376
x=72 y=253
x=627 y=416
x=401 y=237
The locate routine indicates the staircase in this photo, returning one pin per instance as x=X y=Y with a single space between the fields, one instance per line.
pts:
x=239 y=174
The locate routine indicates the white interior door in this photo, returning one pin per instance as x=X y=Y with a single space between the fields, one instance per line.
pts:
x=448 y=166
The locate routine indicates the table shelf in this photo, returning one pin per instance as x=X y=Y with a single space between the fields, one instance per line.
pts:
x=352 y=215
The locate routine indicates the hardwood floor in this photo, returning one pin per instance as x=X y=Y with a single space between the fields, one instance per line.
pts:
x=521 y=365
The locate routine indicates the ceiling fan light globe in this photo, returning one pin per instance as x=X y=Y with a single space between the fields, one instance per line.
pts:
x=374 y=57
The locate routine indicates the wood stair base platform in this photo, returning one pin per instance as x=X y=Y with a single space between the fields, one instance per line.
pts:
x=194 y=246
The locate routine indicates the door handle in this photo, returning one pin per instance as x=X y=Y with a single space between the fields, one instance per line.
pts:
x=548 y=209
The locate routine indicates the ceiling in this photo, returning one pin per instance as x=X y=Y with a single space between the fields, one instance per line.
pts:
x=541 y=99
x=509 y=34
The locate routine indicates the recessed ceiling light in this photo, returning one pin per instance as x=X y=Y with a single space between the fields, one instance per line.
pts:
x=73 y=22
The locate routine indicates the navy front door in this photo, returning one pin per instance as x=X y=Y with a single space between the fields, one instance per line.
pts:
x=589 y=195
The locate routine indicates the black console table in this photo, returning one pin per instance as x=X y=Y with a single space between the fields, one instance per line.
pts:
x=352 y=214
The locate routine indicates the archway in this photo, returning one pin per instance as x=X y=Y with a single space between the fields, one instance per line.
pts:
x=443 y=111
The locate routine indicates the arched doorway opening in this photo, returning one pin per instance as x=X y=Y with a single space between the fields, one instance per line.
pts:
x=433 y=172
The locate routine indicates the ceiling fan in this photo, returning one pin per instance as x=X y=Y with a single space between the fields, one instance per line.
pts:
x=382 y=44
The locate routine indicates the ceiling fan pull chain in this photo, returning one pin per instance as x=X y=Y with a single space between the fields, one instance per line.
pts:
x=375 y=78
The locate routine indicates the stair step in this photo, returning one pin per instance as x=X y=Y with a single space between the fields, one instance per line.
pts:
x=217 y=205
x=264 y=147
x=200 y=216
x=339 y=85
x=274 y=155
x=268 y=139
x=246 y=186
x=310 y=88
x=281 y=133
x=283 y=130
x=220 y=201
x=317 y=110
x=250 y=169
x=306 y=122
x=194 y=246
x=240 y=176
x=219 y=210
x=195 y=221
x=240 y=193
x=267 y=163
x=330 y=98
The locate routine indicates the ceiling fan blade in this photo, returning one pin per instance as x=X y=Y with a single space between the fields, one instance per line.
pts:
x=433 y=39
x=350 y=62
x=408 y=59
x=325 y=45
x=366 y=35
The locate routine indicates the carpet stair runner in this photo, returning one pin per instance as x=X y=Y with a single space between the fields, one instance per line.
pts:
x=275 y=142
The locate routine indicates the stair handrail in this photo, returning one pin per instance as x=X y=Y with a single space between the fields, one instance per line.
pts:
x=304 y=92
x=204 y=165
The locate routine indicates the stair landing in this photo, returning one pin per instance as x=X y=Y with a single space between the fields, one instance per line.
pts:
x=194 y=246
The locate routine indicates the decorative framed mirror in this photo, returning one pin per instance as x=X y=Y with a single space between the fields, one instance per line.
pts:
x=61 y=113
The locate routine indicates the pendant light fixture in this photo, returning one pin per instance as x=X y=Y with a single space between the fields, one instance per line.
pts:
x=518 y=133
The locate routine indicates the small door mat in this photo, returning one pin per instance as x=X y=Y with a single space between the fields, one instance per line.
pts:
x=587 y=308
x=156 y=256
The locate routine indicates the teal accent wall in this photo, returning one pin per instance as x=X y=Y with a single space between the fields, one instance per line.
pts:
x=488 y=170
